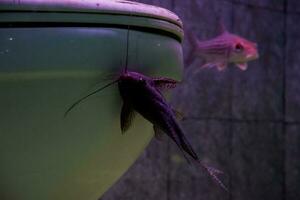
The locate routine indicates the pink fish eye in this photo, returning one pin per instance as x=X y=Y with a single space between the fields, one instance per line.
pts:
x=239 y=47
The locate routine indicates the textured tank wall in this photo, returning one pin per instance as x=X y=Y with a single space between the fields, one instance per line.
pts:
x=245 y=123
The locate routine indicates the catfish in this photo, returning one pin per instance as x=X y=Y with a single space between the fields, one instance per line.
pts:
x=142 y=94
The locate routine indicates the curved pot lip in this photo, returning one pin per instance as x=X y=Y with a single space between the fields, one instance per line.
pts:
x=90 y=11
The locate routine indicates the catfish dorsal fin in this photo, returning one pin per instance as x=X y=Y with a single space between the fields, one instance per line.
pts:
x=165 y=83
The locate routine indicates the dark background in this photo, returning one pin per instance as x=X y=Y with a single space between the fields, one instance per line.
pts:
x=244 y=123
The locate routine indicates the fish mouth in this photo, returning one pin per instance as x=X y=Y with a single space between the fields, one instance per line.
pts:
x=252 y=56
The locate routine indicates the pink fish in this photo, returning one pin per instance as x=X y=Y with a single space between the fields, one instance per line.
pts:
x=224 y=49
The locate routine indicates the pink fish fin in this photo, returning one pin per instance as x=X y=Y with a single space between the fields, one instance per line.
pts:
x=202 y=67
x=213 y=174
x=221 y=26
x=208 y=65
x=127 y=116
x=193 y=40
x=242 y=66
x=189 y=59
x=221 y=66
x=158 y=133
x=165 y=83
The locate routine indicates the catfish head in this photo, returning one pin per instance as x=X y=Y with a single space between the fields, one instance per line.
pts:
x=131 y=84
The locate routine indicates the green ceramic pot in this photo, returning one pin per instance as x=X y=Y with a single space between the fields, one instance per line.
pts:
x=52 y=53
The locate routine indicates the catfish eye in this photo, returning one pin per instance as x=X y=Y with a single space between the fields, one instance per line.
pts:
x=238 y=47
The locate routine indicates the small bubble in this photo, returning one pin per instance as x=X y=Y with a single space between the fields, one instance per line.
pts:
x=10 y=39
x=158 y=44
x=6 y=50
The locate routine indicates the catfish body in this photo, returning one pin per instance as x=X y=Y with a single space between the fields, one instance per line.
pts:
x=142 y=94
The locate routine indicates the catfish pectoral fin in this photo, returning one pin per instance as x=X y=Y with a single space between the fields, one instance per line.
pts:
x=158 y=133
x=179 y=115
x=127 y=116
x=165 y=83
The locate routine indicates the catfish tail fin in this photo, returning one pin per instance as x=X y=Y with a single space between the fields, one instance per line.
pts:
x=213 y=174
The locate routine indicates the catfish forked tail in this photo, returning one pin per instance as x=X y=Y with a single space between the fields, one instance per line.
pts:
x=210 y=170
x=213 y=174
x=185 y=147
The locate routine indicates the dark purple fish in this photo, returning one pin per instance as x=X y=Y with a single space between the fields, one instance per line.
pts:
x=142 y=94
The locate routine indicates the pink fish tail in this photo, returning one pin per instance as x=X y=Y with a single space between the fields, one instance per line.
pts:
x=192 y=39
